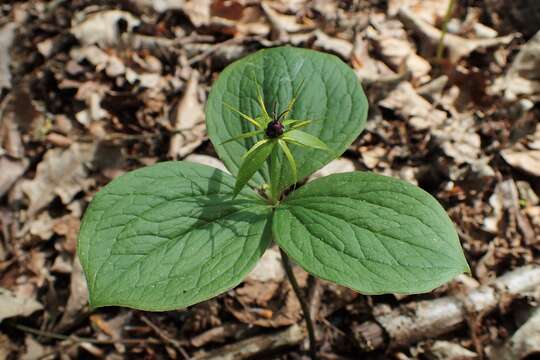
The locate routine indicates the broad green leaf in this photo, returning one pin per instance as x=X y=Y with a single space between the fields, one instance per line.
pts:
x=252 y=161
x=304 y=139
x=372 y=233
x=169 y=236
x=330 y=96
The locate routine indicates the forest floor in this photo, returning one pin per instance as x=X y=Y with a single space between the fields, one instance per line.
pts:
x=92 y=89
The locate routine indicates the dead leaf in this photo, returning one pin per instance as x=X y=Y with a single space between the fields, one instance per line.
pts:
x=268 y=268
x=338 y=166
x=12 y=170
x=335 y=45
x=7 y=35
x=62 y=172
x=13 y=305
x=189 y=121
x=524 y=342
x=78 y=296
x=267 y=304
x=6 y=347
x=525 y=160
x=102 y=27
x=446 y=350
x=207 y=160
x=458 y=47
x=523 y=77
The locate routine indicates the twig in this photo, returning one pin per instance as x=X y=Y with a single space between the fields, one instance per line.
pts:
x=165 y=337
x=253 y=347
x=78 y=339
x=303 y=304
x=427 y=319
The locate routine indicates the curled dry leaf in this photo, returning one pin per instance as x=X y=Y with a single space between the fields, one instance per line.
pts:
x=338 y=166
x=188 y=122
x=446 y=350
x=525 y=160
x=335 y=45
x=13 y=305
x=269 y=303
x=457 y=46
x=523 y=77
x=7 y=35
x=62 y=172
x=102 y=27
x=12 y=170
x=78 y=296
x=524 y=342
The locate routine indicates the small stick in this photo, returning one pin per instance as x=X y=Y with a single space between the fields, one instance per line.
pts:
x=165 y=337
x=303 y=304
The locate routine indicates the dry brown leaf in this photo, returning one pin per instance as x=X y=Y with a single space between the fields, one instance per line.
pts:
x=524 y=343
x=525 y=160
x=189 y=121
x=335 y=45
x=78 y=296
x=283 y=24
x=12 y=170
x=267 y=304
x=15 y=305
x=268 y=268
x=102 y=27
x=458 y=47
x=338 y=166
x=446 y=350
x=62 y=172
x=523 y=77
x=207 y=160
x=7 y=35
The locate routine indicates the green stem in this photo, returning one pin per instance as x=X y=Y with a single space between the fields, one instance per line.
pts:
x=305 y=309
x=449 y=12
x=274 y=181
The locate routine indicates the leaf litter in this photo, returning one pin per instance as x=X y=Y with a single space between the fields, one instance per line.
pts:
x=90 y=90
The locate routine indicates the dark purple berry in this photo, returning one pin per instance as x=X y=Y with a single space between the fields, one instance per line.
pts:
x=274 y=129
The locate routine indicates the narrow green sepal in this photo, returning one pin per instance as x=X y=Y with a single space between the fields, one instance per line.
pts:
x=290 y=159
x=244 y=116
x=252 y=161
x=243 y=136
x=302 y=138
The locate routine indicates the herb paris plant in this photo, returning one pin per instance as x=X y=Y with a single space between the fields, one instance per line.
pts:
x=177 y=233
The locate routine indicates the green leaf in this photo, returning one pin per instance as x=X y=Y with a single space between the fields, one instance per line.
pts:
x=252 y=161
x=371 y=233
x=331 y=95
x=169 y=236
x=304 y=139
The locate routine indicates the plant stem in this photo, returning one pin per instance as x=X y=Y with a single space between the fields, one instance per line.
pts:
x=305 y=309
x=449 y=11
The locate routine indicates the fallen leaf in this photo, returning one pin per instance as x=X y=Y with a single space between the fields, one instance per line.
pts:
x=12 y=170
x=189 y=121
x=524 y=160
x=446 y=350
x=7 y=35
x=269 y=268
x=102 y=27
x=457 y=46
x=62 y=172
x=523 y=77
x=78 y=296
x=12 y=305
